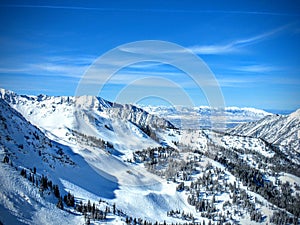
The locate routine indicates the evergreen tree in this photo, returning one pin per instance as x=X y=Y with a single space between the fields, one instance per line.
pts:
x=60 y=204
x=5 y=159
x=56 y=191
x=114 y=208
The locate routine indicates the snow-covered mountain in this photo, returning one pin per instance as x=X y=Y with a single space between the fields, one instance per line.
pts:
x=16 y=131
x=279 y=130
x=99 y=140
x=200 y=116
x=43 y=106
x=141 y=167
x=58 y=117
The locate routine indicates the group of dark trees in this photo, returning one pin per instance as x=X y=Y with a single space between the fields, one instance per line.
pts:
x=167 y=163
x=182 y=215
x=214 y=181
x=281 y=194
x=91 y=211
x=91 y=140
x=46 y=185
x=149 y=131
x=203 y=192
x=69 y=200
x=281 y=217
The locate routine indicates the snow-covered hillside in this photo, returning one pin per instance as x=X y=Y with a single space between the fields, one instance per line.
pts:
x=28 y=141
x=25 y=148
x=200 y=117
x=280 y=130
x=122 y=165
x=123 y=126
x=97 y=142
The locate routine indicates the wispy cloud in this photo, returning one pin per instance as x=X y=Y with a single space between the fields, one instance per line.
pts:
x=125 y=77
x=9 y=70
x=55 y=69
x=61 y=66
x=256 y=68
x=235 y=46
x=155 y=10
x=82 y=60
x=249 y=81
x=46 y=69
x=147 y=65
x=237 y=81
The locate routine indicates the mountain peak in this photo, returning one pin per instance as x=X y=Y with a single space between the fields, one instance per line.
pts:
x=279 y=130
x=295 y=115
x=4 y=92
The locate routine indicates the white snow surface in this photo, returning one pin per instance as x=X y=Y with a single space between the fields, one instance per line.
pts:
x=36 y=129
x=280 y=130
x=96 y=173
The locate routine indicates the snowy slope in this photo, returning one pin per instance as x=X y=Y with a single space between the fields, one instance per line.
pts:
x=93 y=172
x=21 y=203
x=92 y=116
x=27 y=147
x=88 y=146
x=196 y=117
x=281 y=130
x=23 y=140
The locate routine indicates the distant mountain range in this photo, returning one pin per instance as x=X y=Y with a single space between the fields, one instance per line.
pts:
x=201 y=116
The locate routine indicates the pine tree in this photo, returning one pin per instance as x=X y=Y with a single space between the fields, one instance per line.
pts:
x=60 y=204
x=114 y=208
x=89 y=208
x=23 y=173
x=56 y=191
x=5 y=159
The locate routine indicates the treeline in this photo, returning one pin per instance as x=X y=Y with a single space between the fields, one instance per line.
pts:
x=90 y=140
x=89 y=210
x=167 y=163
x=214 y=181
x=46 y=186
x=280 y=194
x=280 y=217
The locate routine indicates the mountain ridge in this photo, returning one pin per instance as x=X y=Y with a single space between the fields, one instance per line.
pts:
x=280 y=130
x=202 y=116
x=139 y=167
x=129 y=112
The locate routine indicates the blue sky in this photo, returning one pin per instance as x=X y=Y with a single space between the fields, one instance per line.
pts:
x=253 y=49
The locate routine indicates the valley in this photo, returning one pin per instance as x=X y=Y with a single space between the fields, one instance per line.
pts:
x=120 y=164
